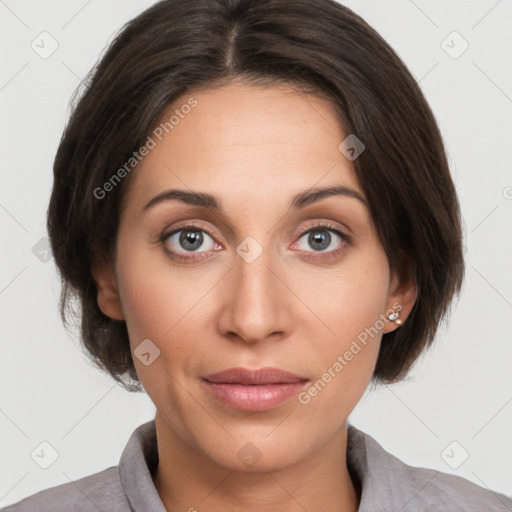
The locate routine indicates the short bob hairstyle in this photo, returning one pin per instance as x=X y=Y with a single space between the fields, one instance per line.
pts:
x=322 y=48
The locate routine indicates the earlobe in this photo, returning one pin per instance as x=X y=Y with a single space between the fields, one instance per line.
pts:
x=108 y=295
x=403 y=294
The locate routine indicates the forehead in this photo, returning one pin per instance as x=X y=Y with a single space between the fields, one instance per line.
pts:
x=242 y=139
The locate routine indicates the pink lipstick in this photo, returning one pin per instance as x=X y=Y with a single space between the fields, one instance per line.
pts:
x=254 y=390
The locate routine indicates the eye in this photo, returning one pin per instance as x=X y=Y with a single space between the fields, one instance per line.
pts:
x=188 y=240
x=324 y=240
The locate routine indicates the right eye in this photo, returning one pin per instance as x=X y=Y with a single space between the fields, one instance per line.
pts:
x=188 y=240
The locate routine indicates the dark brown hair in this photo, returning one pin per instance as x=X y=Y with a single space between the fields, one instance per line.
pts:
x=320 y=47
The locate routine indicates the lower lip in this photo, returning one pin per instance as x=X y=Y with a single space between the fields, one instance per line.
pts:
x=254 y=398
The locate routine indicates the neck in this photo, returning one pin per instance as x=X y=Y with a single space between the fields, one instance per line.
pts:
x=187 y=480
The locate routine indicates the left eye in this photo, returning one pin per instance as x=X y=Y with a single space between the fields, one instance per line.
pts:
x=321 y=238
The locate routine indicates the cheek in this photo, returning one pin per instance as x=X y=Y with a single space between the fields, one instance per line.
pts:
x=163 y=304
x=150 y=298
x=350 y=298
x=350 y=305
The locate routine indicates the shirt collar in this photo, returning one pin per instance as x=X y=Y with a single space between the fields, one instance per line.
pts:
x=383 y=478
x=138 y=463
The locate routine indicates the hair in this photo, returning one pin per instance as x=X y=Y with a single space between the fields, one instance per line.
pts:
x=323 y=48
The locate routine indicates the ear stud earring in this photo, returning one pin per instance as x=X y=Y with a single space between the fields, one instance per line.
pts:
x=394 y=317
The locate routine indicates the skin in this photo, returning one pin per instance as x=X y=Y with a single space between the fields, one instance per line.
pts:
x=253 y=148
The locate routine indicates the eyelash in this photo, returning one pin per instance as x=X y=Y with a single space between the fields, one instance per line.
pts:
x=315 y=255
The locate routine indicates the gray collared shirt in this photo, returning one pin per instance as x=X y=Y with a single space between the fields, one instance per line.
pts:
x=387 y=484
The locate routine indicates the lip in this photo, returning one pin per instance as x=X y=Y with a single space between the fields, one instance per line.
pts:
x=267 y=375
x=254 y=390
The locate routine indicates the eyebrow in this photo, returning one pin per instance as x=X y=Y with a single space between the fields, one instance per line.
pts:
x=212 y=203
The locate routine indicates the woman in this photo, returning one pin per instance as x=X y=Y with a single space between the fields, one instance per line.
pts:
x=253 y=205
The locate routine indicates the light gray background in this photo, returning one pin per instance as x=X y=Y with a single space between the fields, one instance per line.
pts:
x=460 y=391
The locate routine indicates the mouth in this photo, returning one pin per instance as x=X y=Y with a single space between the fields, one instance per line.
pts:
x=254 y=390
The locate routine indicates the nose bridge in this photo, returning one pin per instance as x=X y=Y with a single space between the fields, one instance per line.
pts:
x=255 y=308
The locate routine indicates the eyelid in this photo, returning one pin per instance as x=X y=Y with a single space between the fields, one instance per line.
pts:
x=188 y=226
x=323 y=223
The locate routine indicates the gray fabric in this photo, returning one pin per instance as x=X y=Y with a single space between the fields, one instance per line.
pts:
x=388 y=485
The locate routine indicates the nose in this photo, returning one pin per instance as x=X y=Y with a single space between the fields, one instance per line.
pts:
x=256 y=303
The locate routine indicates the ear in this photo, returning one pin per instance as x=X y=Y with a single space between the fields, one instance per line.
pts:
x=108 y=296
x=403 y=292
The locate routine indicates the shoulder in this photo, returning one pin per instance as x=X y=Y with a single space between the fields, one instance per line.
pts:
x=100 y=491
x=390 y=484
x=437 y=490
x=120 y=488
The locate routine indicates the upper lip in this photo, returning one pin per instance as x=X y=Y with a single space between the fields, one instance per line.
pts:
x=260 y=376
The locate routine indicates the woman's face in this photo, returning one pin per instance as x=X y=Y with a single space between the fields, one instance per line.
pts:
x=258 y=282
